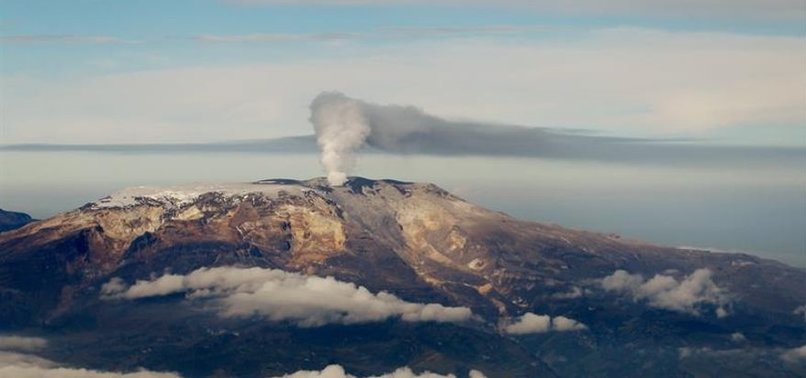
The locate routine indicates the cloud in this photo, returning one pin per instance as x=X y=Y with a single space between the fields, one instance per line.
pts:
x=533 y=323
x=308 y=301
x=63 y=372
x=276 y=37
x=738 y=337
x=561 y=324
x=64 y=39
x=20 y=343
x=17 y=360
x=22 y=360
x=336 y=371
x=800 y=310
x=747 y=9
x=344 y=124
x=666 y=292
x=620 y=81
x=749 y=356
x=114 y=286
x=795 y=355
x=381 y=33
x=574 y=293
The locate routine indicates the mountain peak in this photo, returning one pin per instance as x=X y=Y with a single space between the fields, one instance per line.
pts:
x=412 y=240
x=353 y=182
x=180 y=195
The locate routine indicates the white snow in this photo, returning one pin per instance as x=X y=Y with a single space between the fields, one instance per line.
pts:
x=476 y=264
x=185 y=194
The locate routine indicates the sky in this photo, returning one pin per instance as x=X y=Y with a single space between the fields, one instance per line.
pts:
x=108 y=71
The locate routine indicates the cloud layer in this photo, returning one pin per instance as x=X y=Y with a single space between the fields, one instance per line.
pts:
x=746 y=9
x=795 y=355
x=19 y=370
x=533 y=323
x=621 y=80
x=18 y=360
x=21 y=343
x=343 y=124
x=336 y=371
x=63 y=39
x=307 y=301
x=666 y=292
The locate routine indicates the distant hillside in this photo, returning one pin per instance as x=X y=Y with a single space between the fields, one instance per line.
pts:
x=267 y=278
x=10 y=220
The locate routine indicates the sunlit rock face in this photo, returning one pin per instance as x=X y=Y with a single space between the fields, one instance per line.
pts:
x=412 y=240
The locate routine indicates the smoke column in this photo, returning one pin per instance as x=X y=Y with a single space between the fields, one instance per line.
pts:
x=343 y=125
x=341 y=128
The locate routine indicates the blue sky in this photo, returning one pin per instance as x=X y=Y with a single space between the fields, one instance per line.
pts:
x=92 y=65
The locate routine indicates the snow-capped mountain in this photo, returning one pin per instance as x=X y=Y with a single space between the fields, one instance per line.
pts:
x=279 y=275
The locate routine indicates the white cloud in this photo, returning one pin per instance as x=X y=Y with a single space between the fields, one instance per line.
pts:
x=22 y=360
x=18 y=361
x=114 y=286
x=668 y=293
x=23 y=365
x=575 y=292
x=308 y=301
x=533 y=323
x=64 y=39
x=381 y=33
x=618 y=80
x=21 y=343
x=795 y=355
x=274 y=37
x=336 y=371
x=60 y=372
x=738 y=337
x=747 y=9
x=800 y=310
x=621 y=280
x=561 y=323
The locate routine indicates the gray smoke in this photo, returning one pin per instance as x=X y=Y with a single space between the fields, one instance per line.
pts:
x=344 y=125
x=341 y=128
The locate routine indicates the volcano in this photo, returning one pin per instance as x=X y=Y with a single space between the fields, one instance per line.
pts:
x=418 y=277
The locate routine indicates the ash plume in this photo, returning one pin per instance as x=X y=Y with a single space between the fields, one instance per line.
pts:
x=341 y=128
x=344 y=125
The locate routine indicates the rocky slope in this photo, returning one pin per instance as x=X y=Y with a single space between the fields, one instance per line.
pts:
x=413 y=240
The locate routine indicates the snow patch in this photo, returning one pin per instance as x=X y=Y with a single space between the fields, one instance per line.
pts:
x=179 y=196
x=476 y=264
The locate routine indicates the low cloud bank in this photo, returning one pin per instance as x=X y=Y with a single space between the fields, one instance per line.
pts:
x=666 y=292
x=17 y=360
x=800 y=310
x=21 y=343
x=307 y=301
x=28 y=371
x=336 y=371
x=795 y=355
x=533 y=323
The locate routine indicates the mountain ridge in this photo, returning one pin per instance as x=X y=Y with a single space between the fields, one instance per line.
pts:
x=413 y=240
